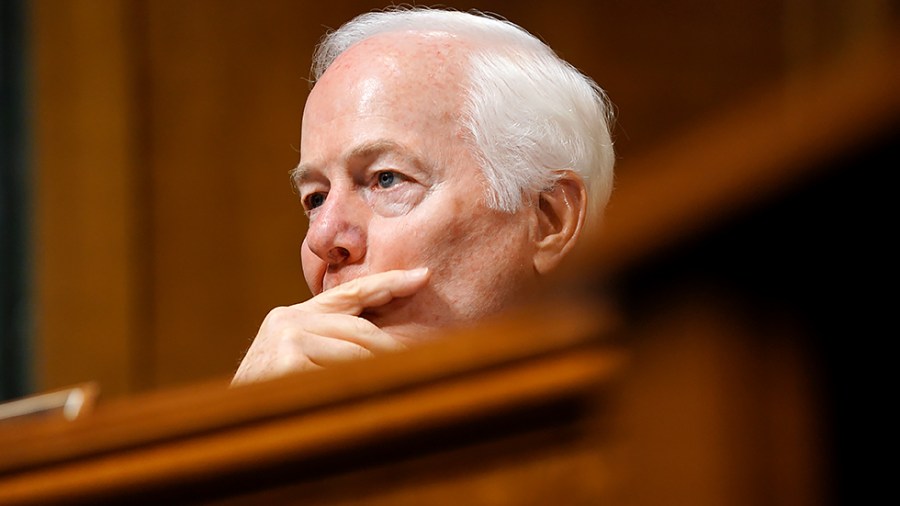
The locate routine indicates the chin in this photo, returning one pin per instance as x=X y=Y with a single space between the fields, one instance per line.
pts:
x=405 y=321
x=411 y=334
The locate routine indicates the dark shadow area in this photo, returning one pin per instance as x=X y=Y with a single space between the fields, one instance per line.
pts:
x=14 y=349
x=821 y=255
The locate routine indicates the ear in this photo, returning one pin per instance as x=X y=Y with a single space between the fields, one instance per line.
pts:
x=561 y=213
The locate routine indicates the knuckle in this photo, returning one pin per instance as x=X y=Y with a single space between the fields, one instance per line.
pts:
x=361 y=353
x=353 y=290
x=366 y=329
x=278 y=315
x=361 y=326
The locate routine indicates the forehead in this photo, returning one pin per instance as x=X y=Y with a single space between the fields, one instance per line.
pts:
x=421 y=70
x=417 y=54
x=406 y=87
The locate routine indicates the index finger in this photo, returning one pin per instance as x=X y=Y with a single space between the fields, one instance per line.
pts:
x=354 y=297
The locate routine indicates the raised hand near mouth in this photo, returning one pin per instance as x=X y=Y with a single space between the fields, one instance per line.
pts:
x=327 y=329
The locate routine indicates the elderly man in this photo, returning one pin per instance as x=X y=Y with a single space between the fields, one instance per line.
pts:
x=448 y=162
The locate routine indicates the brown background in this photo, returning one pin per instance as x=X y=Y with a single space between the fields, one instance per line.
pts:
x=745 y=247
x=164 y=224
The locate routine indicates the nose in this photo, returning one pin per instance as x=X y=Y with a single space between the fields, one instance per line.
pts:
x=337 y=231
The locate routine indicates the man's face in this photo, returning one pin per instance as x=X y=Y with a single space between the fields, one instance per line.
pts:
x=389 y=182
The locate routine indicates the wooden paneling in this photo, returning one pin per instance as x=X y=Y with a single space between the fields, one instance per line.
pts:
x=744 y=154
x=226 y=87
x=165 y=225
x=89 y=306
x=717 y=411
x=166 y=229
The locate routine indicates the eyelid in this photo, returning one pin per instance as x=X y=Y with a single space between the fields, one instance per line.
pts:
x=305 y=199
x=307 y=190
x=400 y=175
x=307 y=208
x=311 y=186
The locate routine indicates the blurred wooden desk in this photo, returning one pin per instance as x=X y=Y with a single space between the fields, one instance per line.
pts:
x=504 y=415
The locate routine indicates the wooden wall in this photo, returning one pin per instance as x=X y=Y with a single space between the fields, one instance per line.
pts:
x=165 y=227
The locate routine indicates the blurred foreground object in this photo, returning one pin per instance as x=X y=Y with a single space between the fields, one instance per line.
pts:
x=69 y=404
x=504 y=412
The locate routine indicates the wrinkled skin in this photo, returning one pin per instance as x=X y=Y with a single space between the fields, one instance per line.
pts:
x=400 y=242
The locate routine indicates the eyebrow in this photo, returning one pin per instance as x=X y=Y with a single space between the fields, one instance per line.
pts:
x=302 y=171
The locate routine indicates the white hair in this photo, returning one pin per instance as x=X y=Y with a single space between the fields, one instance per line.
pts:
x=529 y=114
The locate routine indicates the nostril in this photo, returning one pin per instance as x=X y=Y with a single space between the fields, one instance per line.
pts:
x=338 y=255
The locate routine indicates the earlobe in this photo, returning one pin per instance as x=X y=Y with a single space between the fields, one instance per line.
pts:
x=561 y=214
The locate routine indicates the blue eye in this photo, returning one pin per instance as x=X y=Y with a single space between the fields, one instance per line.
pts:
x=386 y=179
x=315 y=200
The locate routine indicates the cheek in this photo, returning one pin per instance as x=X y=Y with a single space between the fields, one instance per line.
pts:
x=313 y=268
x=485 y=257
x=461 y=250
x=395 y=243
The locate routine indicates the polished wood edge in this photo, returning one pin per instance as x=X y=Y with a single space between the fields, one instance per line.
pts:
x=304 y=435
x=525 y=335
x=65 y=403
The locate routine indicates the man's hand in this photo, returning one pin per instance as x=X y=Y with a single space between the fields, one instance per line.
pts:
x=327 y=329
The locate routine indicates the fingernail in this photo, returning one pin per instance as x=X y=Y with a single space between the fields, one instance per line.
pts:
x=417 y=274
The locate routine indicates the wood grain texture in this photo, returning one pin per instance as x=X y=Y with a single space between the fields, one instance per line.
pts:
x=165 y=224
x=88 y=296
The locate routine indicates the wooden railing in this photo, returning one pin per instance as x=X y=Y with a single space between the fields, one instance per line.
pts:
x=499 y=401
